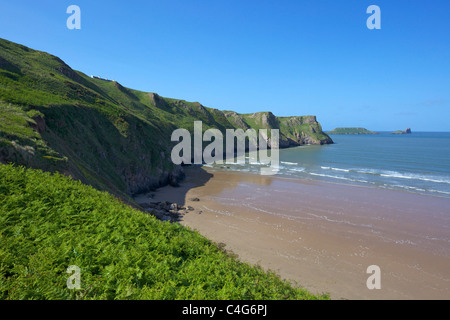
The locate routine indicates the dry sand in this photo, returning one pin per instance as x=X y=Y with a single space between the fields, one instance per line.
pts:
x=323 y=235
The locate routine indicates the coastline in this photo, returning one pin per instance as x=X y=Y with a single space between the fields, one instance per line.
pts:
x=322 y=235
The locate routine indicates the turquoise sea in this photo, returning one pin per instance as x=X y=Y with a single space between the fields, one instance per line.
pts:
x=417 y=162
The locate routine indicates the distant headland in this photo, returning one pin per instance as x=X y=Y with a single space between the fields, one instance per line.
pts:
x=351 y=130
x=406 y=131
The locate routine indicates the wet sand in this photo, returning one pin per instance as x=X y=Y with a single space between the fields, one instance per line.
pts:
x=323 y=235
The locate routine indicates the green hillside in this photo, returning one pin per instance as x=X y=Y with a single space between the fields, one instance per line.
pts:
x=49 y=222
x=101 y=133
x=87 y=136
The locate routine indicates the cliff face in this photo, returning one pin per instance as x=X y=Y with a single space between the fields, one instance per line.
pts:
x=294 y=131
x=111 y=137
x=302 y=130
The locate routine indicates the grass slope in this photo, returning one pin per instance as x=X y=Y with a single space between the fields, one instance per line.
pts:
x=49 y=222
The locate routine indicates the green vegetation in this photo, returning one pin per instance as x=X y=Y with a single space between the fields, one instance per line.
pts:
x=49 y=222
x=99 y=136
x=21 y=143
x=351 y=130
x=111 y=137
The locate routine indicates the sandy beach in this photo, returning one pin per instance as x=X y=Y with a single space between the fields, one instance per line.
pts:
x=323 y=235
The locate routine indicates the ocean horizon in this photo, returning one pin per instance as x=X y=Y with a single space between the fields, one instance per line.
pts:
x=417 y=162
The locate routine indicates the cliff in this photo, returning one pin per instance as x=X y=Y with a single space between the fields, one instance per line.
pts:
x=111 y=137
x=294 y=131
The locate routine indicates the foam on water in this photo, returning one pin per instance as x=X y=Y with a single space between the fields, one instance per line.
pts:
x=419 y=162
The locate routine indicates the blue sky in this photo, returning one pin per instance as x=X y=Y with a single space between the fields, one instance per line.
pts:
x=289 y=57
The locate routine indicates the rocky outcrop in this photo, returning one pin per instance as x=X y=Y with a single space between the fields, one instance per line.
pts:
x=168 y=211
x=145 y=180
x=237 y=120
x=406 y=131
x=266 y=119
x=294 y=131
x=302 y=130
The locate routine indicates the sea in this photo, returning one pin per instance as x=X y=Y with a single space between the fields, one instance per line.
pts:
x=418 y=162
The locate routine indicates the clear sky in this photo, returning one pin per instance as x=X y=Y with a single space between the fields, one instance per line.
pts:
x=289 y=57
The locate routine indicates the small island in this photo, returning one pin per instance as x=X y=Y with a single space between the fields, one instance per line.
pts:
x=407 y=131
x=351 y=130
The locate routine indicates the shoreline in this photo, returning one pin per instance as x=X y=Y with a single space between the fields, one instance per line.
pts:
x=326 y=181
x=322 y=235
